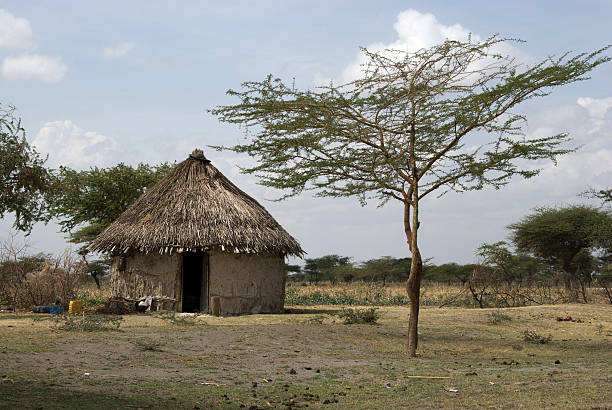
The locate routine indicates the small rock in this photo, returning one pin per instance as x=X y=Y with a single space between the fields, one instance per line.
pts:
x=307 y=368
x=292 y=371
x=388 y=385
x=557 y=361
x=471 y=374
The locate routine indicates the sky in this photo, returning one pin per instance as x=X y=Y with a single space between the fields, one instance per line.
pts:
x=98 y=83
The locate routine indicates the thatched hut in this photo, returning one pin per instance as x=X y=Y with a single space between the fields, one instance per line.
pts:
x=196 y=237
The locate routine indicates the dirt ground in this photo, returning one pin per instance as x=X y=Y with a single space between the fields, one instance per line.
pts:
x=309 y=358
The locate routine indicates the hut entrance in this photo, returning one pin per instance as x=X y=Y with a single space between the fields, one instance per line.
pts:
x=195 y=282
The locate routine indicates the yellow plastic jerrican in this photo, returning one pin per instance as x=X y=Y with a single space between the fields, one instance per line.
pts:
x=75 y=306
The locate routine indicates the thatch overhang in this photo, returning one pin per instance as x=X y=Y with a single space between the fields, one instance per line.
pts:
x=195 y=207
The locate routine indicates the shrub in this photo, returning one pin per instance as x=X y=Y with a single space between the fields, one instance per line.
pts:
x=149 y=345
x=496 y=317
x=351 y=316
x=27 y=281
x=533 y=337
x=91 y=299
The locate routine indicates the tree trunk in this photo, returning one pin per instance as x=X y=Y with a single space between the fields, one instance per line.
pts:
x=94 y=275
x=414 y=294
x=413 y=286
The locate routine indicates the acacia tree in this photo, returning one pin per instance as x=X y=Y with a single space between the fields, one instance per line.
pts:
x=404 y=130
x=23 y=176
x=605 y=195
x=567 y=238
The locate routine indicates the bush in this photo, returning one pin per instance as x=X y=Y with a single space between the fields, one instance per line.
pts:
x=91 y=299
x=496 y=317
x=533 y=337
x=27 y=281
x=351 y=316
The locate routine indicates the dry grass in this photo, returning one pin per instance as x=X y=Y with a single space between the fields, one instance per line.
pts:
x=248 y=360
x=394 y=294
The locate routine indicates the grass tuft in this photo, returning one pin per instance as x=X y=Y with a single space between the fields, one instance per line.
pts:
x=531 y=336
x=357 y=316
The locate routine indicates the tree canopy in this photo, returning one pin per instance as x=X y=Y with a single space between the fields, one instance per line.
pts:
x=23 y=177
x=412 y=125
x=558 y=235
x=90 y=200
x=571 y=239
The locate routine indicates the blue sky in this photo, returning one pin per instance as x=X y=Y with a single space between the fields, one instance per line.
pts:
x=97 y=83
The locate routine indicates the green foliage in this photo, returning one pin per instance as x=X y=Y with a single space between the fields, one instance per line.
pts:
x=448 y=272
x=605 y=195
x=408 y=108
x=384 y=269
x=91 y=300
x=23 y=178
x=322 y=268
x=565 y=237
x=359 y=316
x=505 y=266
x=91 y=200
x=531 y=336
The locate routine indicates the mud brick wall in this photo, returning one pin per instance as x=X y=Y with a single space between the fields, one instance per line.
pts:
x=139 y=275
x=247 y=283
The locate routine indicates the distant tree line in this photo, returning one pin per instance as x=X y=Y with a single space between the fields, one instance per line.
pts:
x=567 y=247
x=335 y=268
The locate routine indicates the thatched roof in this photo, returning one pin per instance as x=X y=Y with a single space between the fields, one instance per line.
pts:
x=195 y=207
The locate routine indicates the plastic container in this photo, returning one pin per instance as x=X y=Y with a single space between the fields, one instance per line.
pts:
x=75 y=306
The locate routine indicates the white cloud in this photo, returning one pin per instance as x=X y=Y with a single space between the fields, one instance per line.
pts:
x=15 y=32
x=118 y=50
x=416 y=31
x=67 y=144
x=597 y=107
x=33 y=66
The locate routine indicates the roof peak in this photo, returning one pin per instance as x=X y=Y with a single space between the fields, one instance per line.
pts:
x=198 y=155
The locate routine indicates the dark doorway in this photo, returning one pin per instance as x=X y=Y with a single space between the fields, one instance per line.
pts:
x=195 y=282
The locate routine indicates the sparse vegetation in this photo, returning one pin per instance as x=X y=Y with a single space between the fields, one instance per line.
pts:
x=531 y=336
x=247 y=360
x=497 y=317
x=86 y=323
x=149 y=344
x=358 y=316
x=179 y=319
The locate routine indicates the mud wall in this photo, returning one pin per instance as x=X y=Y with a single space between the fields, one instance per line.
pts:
x=139 y=275
x=247 y=283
